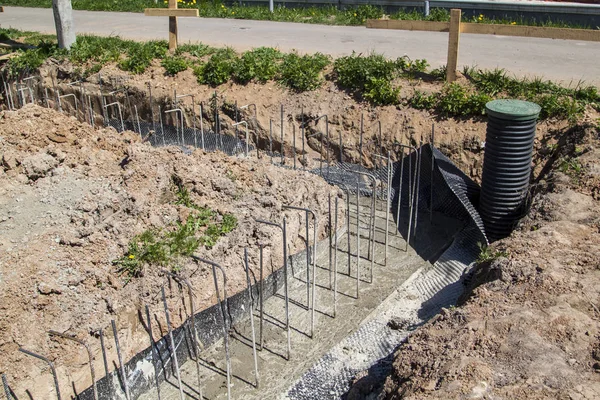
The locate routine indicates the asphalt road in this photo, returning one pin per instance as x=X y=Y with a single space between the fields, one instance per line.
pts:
x=562 y=60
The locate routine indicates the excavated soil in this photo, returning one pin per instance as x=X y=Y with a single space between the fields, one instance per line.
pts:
x=460 y=139
x=529 y=327
x=71 y=199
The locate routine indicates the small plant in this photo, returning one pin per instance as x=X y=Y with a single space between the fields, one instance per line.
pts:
x=410 y=68
x=302 y=73
x=380 y=92
x=423 y=101
x=259 y=64
x=571 y=167
x=486 y=254
x=167 y=246
x=439 y=74
x=195 y=50
x=218 y=69
x=174 y=65
x=140 y=56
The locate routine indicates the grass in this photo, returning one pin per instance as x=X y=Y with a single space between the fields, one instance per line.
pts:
x=166 y=247
x=328 y=15
x=370 y=78
x=488 y=255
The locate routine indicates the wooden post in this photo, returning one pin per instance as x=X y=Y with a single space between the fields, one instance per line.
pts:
x=453 y=40
x=173 y=27
x=63 y=20
x=172 y=12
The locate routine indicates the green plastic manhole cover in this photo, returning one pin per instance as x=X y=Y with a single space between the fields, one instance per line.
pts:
x=514 y=110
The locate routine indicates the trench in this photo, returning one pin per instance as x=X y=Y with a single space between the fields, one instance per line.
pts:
x=420 y=197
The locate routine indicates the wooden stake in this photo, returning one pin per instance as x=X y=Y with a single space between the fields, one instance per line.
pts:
x=453 y=40
x=173 y=27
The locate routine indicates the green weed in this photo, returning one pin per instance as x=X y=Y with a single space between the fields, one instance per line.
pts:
x=140 y=55
x=166 y=247
x=260 y=64
x=218 y=69
x=195 y=50
x=487 y=254
x=174 y=65
x=302 y=73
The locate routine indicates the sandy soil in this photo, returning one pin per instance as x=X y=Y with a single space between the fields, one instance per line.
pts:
x=529 y=327
x=71 y=198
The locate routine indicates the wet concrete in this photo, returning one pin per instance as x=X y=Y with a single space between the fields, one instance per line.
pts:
x=276 y=373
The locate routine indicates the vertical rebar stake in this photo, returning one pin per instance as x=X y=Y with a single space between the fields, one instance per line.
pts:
x=271 y=138
x=335 y=258
x=387 y=208
x=399 y=205
x=261 y=296
x=294 y=144
x=121 y=365
x=7 y=390
x=50 y=364
x=251 y=309
x=282 y=153
x=103 y=348
x=357 y=235
x=432 y=170
x=155 y=354
x=330 y=241
x=173 y=348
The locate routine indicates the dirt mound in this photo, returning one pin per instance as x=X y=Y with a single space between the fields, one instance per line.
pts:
x=530 y=328
x=71 y=200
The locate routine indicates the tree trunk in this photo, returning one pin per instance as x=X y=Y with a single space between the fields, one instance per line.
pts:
x=63 y=19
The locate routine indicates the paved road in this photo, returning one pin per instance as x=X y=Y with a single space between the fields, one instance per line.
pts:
x=563 y=60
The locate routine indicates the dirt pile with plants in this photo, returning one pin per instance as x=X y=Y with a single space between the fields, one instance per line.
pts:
x=528 y=326
x=89 y=219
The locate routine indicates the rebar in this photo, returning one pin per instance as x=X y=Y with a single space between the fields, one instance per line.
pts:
x=180 y=111
x=118 y=105
x=303 y=139
x=172 y=342
x=282 y=148
x=330 y=239
x=357 y=235
x=321 y=149
x=223 y=308
x=202 y=125
x=261 y=295
x=335 y=263
x=50 y=364
x=121 y=364
x=419 y=158
x=7 y=390
x=432 y=170
x=398 y=206
x=411 y=210
x=309 y=256
x=285 y=283
x=251 y=308
x=247 y=134
x=162 y=128
x=360 y=140
x=294 y=144
x=387 y=208
x=68 y=95
x=91 y=109
x=154 y=351
x=137 y=117
x=371 y=247
x=271 y=138
x=192 y=320
x=103 y=347
x=89 y=353
x=181 y=96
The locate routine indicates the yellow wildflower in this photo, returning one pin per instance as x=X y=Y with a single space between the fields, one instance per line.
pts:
x=131 y=256
x=355 y=14
x=513 y=23
x=222 y=6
